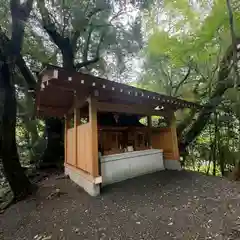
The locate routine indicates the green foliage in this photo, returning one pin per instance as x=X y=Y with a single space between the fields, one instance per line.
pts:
x=102 y=28
x=195 y=35
x=200 y=41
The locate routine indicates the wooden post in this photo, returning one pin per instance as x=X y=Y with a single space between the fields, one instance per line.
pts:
x=149 y=122
x=135 y=139
x=174 y=138
x=94 y=135
x=76 y=119
x=65 y=138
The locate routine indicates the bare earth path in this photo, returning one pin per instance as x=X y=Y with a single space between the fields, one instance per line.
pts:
x=163 y=205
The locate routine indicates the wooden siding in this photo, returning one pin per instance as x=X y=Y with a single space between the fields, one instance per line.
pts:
x=109 y=140
x=71 y=147
x=81 y=141
x=84 y=147
x=166 y=139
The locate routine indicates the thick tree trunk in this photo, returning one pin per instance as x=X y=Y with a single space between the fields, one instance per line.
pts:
x=222 y=85
x=184 y=124
x=204 y=116
x=54 y=153
x=14 y=173
x=68 y=59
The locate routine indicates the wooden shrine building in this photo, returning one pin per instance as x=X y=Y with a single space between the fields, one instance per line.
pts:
x=110 y=131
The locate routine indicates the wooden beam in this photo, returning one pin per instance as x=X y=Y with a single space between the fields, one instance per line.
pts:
x=94 y=134
x=122 y=108
x=61 y=108
x=149 y=122
x=51 y=111
x=120 y=98
x=78 y=103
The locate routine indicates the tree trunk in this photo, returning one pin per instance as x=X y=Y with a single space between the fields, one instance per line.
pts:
x=214 y=167
x=214 y=148
x=222 y=162
x=14 y=173
x=209 y=165
x=204 y=116
x=199 y=166
x=54 y=153
x=68 y=59
x=185 y=123
x=222 y=85
x=221 y=152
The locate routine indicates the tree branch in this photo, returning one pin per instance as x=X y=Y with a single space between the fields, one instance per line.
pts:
x=49 y=25
x=86 y=63
x=182 y=81
x=27 y=74
x=74 y=39
x=116 y=16
x=86 y=49
x=76 y=34
x=78 y=66
x=94 y=12
x=65 y=22
x=234 y=41
x=223 y=84
x=20 y=62
x=20 y=13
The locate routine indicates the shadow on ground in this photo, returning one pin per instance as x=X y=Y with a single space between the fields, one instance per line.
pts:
x=163 y=205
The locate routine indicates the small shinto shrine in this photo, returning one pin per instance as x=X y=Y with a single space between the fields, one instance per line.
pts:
x=113 y=131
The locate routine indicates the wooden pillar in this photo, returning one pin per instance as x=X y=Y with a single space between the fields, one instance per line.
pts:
x=135 y=135
x=76 y=121
x=94 y=135
x=174 y=138
x=65 y=138
x=149 y=122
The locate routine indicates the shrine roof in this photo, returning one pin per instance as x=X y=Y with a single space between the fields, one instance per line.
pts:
x=57 y=88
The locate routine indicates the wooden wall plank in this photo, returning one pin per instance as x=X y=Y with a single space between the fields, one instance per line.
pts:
x=94 y=134
x=166 y=139
x=71 y=147
x=84 y=150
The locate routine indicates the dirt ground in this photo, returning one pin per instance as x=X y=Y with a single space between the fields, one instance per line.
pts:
x=163 y=205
